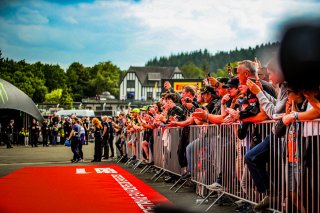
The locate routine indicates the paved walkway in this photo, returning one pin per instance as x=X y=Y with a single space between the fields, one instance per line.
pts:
x=21 y=156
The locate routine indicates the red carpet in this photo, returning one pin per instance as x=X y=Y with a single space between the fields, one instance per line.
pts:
x=76 y=189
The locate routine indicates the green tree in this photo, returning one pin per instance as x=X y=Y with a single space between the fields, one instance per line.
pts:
x=106 y=78
x=190 y=70
x=54 y=96
x=66 y=98
x=78 y=77
x=55 y=76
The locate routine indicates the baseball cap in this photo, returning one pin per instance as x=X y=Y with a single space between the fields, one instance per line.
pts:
x=233 y=82
x=208 y=89
x=136 y=110
x=144 y=108
x=223 y=80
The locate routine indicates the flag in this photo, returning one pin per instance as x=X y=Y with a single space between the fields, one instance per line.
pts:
x=155 y=90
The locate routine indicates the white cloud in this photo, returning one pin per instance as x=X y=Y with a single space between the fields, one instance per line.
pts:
x=71 y=20
x=129 y=33
x=216 y=25
x=29 y=16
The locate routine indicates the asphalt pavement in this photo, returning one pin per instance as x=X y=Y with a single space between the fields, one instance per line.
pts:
x=22 y=156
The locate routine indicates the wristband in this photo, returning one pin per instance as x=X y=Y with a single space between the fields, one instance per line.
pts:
x=295 y=114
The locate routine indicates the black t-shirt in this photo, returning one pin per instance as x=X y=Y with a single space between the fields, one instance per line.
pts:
x=105 y=124
x=67 y=128
x=55 y=120
x=9 y=129
x=111 y=130
x=86 y=125
x=34 y=129
x=178 y=112
x=44 y=129
x=98 y=133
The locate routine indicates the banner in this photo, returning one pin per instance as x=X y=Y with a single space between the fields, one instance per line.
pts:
x=178 y=86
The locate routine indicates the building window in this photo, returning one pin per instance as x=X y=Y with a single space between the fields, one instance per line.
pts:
x=130 y=83
x=130 y=95
x=149 y=95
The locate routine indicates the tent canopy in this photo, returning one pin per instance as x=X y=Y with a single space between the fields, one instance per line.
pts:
x=13 y=98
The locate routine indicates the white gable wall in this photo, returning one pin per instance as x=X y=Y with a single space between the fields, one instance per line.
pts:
x=137 y=88
x=177 y=76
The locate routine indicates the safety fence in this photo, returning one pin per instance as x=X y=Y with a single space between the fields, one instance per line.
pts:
x=289 y=169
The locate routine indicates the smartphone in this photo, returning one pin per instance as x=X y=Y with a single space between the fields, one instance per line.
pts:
x=253 y=79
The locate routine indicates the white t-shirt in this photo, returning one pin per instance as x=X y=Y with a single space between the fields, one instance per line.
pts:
x=311 y=128
x=82 y=131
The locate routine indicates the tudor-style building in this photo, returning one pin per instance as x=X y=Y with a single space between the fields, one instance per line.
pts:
x=143 y=83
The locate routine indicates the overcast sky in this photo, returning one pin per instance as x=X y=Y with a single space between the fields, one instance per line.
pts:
x=132 y=32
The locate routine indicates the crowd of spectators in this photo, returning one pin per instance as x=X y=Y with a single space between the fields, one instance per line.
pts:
x=251 y=94
x=241 y=99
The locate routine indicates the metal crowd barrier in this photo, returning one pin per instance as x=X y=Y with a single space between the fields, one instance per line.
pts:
x=218 y=157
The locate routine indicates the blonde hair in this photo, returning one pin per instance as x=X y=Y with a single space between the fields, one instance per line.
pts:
x=96 y=123
x=104 y=118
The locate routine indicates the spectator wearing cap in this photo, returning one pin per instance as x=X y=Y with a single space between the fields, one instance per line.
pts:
x=147 y=121
x=211 y=98
x=221 y=91
x=230 y=99
x=134 y=128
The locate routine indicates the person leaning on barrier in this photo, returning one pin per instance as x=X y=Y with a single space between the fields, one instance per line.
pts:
x=173 y=108
x=257 y=158
x=300 y=62
x=217 y=117
x=230 y=100
x=211 y=99
x=210 y=102
x=248 y=70
x=147 y=121
x=188 y=96
x=132 y=129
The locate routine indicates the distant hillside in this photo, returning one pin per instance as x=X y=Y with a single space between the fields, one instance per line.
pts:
x=208 y=62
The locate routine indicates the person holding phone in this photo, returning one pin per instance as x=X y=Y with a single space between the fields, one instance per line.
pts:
x=257 y=157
